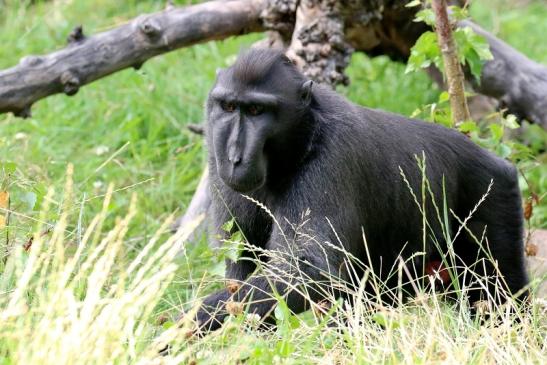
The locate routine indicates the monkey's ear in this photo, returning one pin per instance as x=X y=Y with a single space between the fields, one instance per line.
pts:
x=218 y=71
x=305 y=91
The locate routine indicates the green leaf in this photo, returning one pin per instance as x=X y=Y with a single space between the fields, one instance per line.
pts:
x=219 y=269
x=380 y=319
x=444 y=97
x=510 y=121
x=29 y=198
x=279 y=312
x=503 y=150
x=233 y=247
x=424 y=52
x=479 y=45
x=497 y=131
x=427 y=16
x=237 y=236
x=457 y=13
x=8 y=167
x=294 y=323
x=413 y=4
x=416 y=113
x=443 y=117
x=469 y=39
x=384 y=321
x=473 y=49
x=228 y=226
x=432 y=110
x=520 y=152
x=469 y=126
x=40 y=191
x=284 y=348
x=475 y=64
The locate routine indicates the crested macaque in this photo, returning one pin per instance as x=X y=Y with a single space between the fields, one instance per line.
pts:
x=309 y=177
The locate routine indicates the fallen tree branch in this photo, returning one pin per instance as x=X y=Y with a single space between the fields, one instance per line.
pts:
x=519 y=83
x=200 y=204
x=87 y=59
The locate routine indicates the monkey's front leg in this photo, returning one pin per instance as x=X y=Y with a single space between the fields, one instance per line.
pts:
x=212 y=312
x=256 y=295
x=296 y=275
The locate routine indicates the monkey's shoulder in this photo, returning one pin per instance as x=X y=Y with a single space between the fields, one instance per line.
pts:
x=383 y=138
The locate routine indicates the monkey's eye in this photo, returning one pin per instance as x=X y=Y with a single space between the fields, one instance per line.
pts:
x=255 y=109
x=228 y=106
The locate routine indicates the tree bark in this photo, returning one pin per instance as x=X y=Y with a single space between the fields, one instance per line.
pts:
x=519 y=83
x=452 y=68
x=318 y=45
x=87 y=59
x=200 y=203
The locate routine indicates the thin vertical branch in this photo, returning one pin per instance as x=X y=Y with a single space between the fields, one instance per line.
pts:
x=452 y=68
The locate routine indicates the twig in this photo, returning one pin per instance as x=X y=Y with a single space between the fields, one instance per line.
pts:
x=452 y=68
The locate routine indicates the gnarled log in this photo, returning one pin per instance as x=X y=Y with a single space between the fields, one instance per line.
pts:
x=318 y=46
x=519 y=83
x=130 y=45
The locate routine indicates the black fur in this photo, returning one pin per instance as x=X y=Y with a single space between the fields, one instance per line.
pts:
x=316 y=158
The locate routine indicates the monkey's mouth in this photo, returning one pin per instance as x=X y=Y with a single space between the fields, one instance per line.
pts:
x=245 y=188
x=241 y=179
x=244 y=185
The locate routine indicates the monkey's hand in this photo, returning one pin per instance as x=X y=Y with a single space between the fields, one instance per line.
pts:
x=212 y=312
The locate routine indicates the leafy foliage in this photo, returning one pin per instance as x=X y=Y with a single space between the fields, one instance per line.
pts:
x=494 y=132
x=425 y=52
x=473 y=50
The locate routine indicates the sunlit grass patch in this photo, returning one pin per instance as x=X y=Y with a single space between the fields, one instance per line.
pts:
x=67 y=300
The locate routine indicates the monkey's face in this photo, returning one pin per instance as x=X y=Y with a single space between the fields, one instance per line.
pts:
x=242 y=119
x=239 y=126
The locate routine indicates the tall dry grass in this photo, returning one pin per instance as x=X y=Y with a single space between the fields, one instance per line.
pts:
x=66 y=302
x=69 y=300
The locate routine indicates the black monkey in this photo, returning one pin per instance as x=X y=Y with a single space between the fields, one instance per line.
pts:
x=329 y=171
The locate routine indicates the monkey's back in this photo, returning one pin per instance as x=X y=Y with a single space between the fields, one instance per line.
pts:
x=380 y=158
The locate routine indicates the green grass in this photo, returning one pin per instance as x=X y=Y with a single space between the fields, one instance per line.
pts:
x=129 y=130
